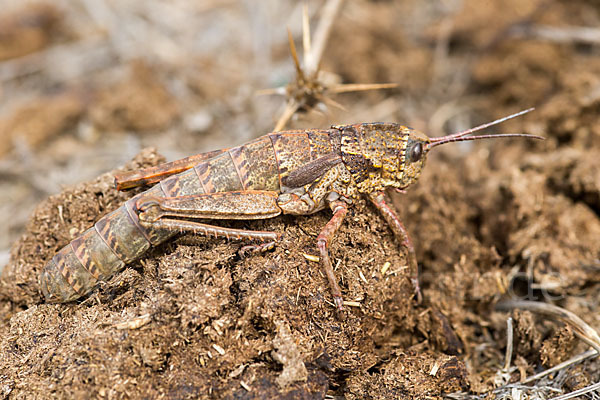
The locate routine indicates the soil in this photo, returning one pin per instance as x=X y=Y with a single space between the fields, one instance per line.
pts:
x=194 y=319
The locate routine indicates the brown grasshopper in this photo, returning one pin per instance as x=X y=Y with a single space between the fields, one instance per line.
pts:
x=292 y=172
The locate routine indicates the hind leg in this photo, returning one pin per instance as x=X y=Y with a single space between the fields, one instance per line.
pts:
x=178 y=214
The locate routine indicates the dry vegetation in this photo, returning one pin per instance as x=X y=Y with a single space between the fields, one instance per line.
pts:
x=86 y=86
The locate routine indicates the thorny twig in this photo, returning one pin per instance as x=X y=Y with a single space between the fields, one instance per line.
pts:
x=308 y=90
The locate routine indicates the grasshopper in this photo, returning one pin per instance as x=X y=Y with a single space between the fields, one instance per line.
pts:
x=291 y=172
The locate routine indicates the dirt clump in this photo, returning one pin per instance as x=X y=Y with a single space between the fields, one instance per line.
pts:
x=202 y=307
x=409 y=375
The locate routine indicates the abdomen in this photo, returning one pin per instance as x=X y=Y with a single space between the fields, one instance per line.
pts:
x=118 y=238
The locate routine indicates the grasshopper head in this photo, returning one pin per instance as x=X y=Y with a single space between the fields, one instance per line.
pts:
x=418 y=146
x=390 y=155
x=383 y=155
x=411 y=159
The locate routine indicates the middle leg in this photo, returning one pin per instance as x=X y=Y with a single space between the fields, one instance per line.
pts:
x=400 y=232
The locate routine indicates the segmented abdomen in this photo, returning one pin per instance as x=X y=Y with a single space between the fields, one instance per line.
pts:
x=118 y=238
x=103 y=250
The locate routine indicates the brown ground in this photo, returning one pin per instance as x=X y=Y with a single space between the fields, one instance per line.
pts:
x=508 y=218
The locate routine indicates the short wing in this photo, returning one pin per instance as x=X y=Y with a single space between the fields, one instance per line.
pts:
x=311 y=171
x=149 y=176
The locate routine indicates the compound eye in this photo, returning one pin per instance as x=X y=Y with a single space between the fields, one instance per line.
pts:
x=416 y=152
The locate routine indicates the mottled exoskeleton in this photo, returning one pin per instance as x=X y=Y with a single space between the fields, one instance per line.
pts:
x=293 y=172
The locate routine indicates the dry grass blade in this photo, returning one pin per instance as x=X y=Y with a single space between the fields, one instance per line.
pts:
x=580 y=327
x=306 y=44
x=559 y=34
x=290 y=108
x=580 y=392
x=579 y=358
x=548 y=387
x=331 y=102
x=279 y=90
x=509 y=344
x=503 y=375
x=359 y=87
x=330 y=11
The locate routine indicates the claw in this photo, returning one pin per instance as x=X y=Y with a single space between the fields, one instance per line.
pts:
x=417 y=288
x=256 y=248
x=339 y=303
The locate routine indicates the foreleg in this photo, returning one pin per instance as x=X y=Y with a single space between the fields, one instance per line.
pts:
x=379 y=200
x=340 y=208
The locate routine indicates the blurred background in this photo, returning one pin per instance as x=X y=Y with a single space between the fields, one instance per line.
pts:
x=84 y=85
